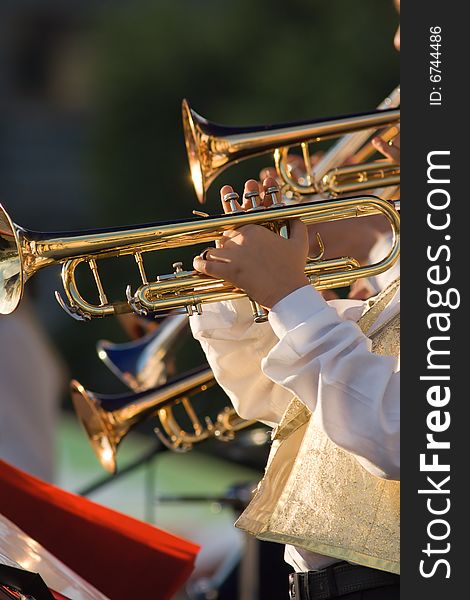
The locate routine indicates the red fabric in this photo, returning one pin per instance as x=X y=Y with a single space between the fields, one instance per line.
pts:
x=121 y=556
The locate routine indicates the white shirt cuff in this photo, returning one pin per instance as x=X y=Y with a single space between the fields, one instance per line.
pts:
x=296 y=308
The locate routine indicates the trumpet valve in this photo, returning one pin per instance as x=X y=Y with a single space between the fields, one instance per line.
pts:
x=232 y=198
x=178 y=267
x=273 y=191
x=194 y=308
x=252 y=196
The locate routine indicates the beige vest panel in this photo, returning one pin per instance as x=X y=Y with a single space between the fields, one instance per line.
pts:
x=317 y=496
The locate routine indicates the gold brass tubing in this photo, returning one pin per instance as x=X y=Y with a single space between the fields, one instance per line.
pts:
x=308 y=167
x=168 y=295
x=77 y=305
x=176 y=438
x=26 y=252
x=369 y=150
x=355 y=146
x=140 y=265
x=193 y=290
x=227 y=423
x=99 y=285
x=357 y=178
x=361 y=177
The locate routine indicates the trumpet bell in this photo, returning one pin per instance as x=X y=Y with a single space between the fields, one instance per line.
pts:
x=192 y=139
x=104 y=438
x=124 y=361
x=211 y=148
x=11 y=267
x=142 y=364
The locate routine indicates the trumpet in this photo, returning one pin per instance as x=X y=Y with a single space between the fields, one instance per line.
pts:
x=192 y=290
x=355 y=146
x=141 y=364
x=24 y=252
x=107 y=419
x=211 y=148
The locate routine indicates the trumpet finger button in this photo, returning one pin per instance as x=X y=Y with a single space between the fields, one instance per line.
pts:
x=232 y=198
x=252 y=196
x=273 y=191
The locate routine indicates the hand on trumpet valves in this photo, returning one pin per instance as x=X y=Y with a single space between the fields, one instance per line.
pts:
x=340 y=237
x=255 y=195
x=265 y=265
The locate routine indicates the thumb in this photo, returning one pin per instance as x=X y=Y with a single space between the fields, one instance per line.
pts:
x=298 y=233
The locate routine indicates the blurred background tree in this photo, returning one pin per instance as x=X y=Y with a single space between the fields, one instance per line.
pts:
x=239 y=63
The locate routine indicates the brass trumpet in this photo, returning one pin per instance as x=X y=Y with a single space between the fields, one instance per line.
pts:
x=192 y=290
x=211 y=148
x=355 y=146
x=23 y=252
x=141 y=364
x=354 y=178
x=107 y=419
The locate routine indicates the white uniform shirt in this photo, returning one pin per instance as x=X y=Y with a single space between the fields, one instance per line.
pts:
x=378 y=252
x=313 y=350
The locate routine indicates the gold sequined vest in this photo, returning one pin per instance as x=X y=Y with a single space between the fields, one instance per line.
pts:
x=317 y=496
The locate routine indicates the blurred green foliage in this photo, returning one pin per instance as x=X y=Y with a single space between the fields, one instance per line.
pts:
x=239 y=63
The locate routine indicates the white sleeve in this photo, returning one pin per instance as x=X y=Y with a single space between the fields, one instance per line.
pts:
x=327 y=363
x=234 y=346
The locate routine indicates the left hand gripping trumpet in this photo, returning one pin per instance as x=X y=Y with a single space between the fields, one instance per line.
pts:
x=24 y=252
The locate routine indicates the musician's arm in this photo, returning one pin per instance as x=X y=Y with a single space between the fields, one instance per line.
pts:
x=327 y=363
x=234 y=346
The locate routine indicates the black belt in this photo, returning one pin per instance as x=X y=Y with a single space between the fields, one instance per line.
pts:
x=337 y=580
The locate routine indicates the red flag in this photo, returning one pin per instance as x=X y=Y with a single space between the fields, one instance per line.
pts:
x=121 y=556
